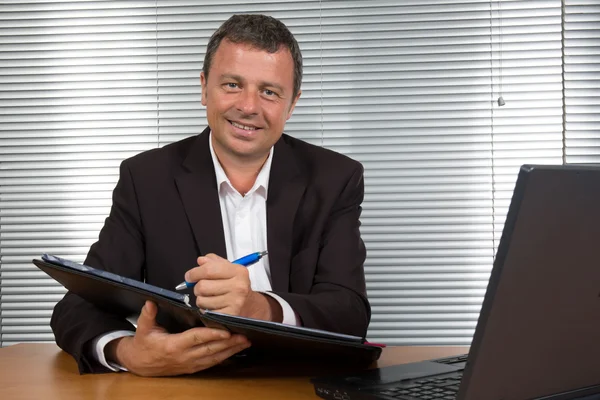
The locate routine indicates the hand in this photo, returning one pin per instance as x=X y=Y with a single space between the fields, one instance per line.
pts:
x=155 y=352
x=225 y=287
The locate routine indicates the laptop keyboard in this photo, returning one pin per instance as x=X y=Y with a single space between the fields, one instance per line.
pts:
x=435 y=388
x=444 y=388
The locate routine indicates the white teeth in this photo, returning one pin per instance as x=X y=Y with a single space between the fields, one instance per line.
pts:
x=244 y=127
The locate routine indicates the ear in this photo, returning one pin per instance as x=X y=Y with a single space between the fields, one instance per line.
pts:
x=204 y=89
x=292 y=106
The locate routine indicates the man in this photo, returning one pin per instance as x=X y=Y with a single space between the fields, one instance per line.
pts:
x=239 y=187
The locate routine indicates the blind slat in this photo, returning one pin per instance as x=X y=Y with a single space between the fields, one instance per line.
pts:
x=407 y=88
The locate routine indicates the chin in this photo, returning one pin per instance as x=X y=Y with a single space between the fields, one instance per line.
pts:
x=245 y=144
x=241 y=149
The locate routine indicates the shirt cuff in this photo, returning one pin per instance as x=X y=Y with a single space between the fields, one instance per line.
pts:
x=289 y=315
x=100 y=342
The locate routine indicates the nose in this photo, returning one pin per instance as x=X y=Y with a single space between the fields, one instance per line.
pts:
x=248 y=102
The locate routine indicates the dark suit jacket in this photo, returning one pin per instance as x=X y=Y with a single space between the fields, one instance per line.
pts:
x=166 y=213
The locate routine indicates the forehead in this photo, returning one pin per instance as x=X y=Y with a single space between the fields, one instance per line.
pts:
x=250 y=62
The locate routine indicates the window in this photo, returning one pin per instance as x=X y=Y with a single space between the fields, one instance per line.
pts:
x=409 y=88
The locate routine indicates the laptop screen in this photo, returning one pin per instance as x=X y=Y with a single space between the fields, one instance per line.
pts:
x=539 y=328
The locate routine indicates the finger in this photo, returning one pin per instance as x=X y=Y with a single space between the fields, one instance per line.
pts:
x=214 y=257
x=209 y=257
x=214 y=270
x=202 y=260
x=147 y=320
x=213 y=302
x=211 y=287
x=215 y=346
x=198 y=336
x=192 y=275
x=220 y=356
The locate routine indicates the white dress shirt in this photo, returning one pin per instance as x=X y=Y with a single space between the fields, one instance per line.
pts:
x=245 y=228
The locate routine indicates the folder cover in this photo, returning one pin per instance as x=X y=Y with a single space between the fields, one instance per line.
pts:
x=125 y=297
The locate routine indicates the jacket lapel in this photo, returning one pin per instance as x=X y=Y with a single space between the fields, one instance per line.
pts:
x=286 y=187
x=197 y=186
x=199 y=194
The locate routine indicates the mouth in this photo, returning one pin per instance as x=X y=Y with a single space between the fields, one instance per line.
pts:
x=247 y=129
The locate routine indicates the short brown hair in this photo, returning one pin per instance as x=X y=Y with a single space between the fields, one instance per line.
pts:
x=259 y=31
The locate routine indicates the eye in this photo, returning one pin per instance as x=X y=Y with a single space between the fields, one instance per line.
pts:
x=270 y=92
x=231 y=85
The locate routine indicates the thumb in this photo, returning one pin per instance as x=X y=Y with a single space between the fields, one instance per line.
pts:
x=147 y=320
x=213 y=257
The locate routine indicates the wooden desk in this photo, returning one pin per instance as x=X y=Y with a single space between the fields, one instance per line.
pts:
x=43 y=371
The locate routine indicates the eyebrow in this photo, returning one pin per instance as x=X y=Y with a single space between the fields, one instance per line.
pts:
x=262 y=83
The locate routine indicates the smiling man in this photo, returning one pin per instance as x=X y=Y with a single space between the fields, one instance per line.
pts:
x=239 y=187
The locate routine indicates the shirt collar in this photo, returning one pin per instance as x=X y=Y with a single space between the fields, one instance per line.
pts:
x=262 y=180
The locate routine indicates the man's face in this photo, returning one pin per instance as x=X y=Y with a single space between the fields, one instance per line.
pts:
x=248 y=99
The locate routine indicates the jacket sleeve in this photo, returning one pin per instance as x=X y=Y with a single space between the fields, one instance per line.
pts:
x=119 y=249
x=337 y=300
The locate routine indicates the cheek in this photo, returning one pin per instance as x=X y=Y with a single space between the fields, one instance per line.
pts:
x=276 y=116
x=215 y=108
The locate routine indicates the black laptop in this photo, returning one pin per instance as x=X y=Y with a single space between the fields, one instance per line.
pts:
x=538 y=333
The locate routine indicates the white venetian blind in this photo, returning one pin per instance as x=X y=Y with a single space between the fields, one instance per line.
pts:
x=406 y=92
x=413 y=97
x=582 y=81
x=527 y=65
x=405 y=89
x=408 y=88
x=77 y=95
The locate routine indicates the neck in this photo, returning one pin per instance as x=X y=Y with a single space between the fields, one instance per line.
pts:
x=242 y=173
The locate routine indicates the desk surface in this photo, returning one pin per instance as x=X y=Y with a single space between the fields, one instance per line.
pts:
x=43 y=371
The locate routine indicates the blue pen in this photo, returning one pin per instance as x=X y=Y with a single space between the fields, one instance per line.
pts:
x=246 y=261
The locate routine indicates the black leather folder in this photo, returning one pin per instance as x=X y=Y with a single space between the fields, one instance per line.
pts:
x=126 y=297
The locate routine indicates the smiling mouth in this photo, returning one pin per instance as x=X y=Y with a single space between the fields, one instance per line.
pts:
x=244 y=127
